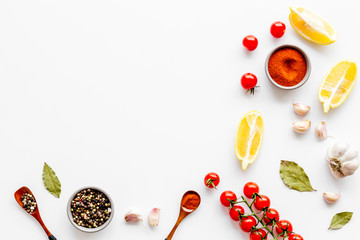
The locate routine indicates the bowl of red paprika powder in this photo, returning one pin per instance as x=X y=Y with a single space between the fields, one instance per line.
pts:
x=287 y=67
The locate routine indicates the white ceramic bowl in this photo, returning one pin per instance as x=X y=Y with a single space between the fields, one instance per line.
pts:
x=308 y=67
x=84 y=229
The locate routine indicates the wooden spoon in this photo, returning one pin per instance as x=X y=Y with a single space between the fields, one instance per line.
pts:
x=36 y=214
x=184 y=211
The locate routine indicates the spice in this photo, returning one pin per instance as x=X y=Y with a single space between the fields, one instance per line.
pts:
x=154 y=217
x=287 y=67
x=133 y=217
x=191 y=201
x=29 y=203
x=301 y=126
x=90 y=208
x=301 y=109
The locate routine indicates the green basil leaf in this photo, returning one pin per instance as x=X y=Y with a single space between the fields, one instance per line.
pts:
x=340 y=219
x=51 y=181
x=295 y=177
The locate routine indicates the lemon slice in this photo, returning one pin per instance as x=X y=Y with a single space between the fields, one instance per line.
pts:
x=337 y=84
x=311 y=26
x=248 y=138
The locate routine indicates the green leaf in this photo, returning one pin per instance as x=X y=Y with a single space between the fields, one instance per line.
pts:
x=295 y=177
x=340 y=219
x=51 y=181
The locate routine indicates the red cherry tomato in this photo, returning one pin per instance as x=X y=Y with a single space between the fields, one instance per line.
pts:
x=211 y=180
x=258 y=234
x=283 y=225
x=226 y=196
x=250 y=42
x=248 y=81
x=250 y=189
x=262 y=202
x=247 y=223
x=234 y=212
x=277 y=29
x=271 y=215
x=294 y=236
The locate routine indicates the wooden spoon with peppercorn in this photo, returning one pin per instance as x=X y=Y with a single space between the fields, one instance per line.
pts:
x=26 y=199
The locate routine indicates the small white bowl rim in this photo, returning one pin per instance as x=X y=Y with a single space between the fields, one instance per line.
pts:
x=308 y=67
x=84 y=229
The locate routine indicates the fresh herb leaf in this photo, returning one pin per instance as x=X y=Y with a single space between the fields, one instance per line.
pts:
x=295 y=177
x=51 y=181
x=340 y=219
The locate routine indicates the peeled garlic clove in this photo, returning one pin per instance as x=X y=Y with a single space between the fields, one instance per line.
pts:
x=300 y=108
x=301 y=126
x=133 y=217
x=154 y=217
x=330 y=197
x=321 y=131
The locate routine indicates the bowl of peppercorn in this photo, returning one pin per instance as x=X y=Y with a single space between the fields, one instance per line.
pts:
x=287 y=67
x=90 y=209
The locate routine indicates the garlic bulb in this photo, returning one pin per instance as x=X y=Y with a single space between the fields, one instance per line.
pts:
x=301 y=126
x=154 y=216
x=133 y=217
x=330 y=197
x=300 y=108
x=343 y=159
x=321 y=131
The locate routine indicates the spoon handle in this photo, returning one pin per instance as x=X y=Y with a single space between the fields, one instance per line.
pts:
x=169 y=237
x=51 y=237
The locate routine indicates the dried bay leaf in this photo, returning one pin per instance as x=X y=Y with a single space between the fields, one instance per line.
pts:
x=295 y=177
x=340 y=219
x=51 y=181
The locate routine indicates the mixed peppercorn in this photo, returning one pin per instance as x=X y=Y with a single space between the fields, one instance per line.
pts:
x=29 y=203
x=90 y=208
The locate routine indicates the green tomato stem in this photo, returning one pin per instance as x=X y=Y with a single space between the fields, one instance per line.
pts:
x=256 y=216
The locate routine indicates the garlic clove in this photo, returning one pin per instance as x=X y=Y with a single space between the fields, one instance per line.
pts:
x=301 y=109
x=301 y=126
x=321 y=131
x=330 y=197
x=133 y=217
x=154 y=217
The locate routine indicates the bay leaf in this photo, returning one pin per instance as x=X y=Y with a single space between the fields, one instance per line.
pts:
x=340 y=219
x=295 y=177
x=51 y=181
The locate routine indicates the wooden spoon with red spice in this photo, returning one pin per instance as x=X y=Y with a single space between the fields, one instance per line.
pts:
x=36 y=214
x=189 y=203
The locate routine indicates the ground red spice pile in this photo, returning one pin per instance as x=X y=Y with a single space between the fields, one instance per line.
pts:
x=287 y=67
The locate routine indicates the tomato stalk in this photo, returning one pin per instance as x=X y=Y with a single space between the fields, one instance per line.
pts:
x=257 y=217
x=210 y=182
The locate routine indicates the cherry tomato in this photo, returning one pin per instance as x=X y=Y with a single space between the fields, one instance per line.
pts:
x=283 y=225
x=250 y=188
x=294 y=236
x=234 y=212
x=258 y=234
x=227 y=195
x=247 y=223
x=270 y=215
x=250 y=42
x=211 y=180
x=262 y=202
x=277 y=29
x=248 y=81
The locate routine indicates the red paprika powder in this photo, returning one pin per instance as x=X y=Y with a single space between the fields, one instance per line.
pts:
x=191 y=201
x=287 y=67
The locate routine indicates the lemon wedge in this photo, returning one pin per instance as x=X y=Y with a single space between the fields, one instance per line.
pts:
x=249 y=136
x=338 y=84
x=311 y=26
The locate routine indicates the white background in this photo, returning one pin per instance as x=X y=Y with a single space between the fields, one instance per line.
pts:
x=142 y=98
